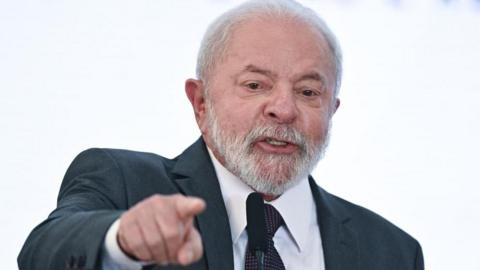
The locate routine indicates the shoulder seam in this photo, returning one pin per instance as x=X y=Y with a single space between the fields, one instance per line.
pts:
x=106 y=152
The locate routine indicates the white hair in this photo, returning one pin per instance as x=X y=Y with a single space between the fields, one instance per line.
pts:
x=270 y=174
x=215 y=41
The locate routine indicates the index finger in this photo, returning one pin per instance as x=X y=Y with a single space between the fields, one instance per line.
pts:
x=188 y=207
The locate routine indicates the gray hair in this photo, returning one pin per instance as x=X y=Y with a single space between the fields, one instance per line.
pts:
x=215 y=41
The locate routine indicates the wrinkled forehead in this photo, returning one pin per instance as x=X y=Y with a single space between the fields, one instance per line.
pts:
x=282 y=45
x=256 y=35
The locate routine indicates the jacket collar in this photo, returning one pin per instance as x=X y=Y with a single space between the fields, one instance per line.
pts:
x=195 y=176
x=339 y=240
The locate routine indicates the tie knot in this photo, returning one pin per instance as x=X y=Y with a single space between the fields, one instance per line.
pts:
x=273 y=219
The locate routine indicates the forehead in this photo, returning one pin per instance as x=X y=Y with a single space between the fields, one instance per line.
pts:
x=280 y=44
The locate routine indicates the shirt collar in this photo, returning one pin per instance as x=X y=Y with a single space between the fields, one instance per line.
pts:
x=235 y=193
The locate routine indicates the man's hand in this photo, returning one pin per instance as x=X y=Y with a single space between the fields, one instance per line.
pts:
x=160 y=229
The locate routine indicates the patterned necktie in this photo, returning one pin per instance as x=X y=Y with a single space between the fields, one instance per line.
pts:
x=272 y=260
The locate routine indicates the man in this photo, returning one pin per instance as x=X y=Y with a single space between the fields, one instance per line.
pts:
x=268 y=78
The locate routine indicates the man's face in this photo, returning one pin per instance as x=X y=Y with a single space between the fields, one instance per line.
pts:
x=269 y=103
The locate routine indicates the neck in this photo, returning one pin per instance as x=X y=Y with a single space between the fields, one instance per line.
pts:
x=269 y=197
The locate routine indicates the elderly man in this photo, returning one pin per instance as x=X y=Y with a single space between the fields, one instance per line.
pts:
x=268 y=78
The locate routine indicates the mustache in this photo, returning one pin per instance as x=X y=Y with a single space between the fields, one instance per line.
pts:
x=281 y=133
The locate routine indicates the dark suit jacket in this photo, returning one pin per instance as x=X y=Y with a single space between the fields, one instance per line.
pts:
x=102 y=183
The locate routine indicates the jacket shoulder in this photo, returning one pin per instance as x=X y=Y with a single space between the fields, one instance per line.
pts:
x=121 y=159
x=369 y=222
x=123 y=155
x=371 y=229
x=123 y=176
x=379 y=241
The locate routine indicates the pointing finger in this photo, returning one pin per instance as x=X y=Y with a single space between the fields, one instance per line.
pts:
x=187 y=207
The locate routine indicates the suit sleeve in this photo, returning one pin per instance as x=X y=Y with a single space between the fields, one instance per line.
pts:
x=92 y=196
x=419 y=265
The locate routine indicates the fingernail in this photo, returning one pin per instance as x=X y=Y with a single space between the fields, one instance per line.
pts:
x=196 y=201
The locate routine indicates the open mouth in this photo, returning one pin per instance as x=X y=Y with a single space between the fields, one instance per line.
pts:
x=276 y=146
x=276 y=142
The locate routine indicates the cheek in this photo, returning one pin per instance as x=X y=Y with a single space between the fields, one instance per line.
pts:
x=238 y=116
x=235 y=123
x=316 y=124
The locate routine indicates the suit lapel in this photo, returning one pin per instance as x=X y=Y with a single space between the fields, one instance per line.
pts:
x=340 y=247
x=195 y=176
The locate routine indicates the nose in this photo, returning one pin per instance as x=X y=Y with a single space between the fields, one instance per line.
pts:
x=281 y=106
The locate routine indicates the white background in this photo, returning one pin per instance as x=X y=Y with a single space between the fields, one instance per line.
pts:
x=81 y=74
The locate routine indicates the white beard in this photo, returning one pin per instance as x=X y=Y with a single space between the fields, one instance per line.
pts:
x=270 y=174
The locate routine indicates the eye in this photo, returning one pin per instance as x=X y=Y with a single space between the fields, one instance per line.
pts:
x=308 y=93
x=253 y=85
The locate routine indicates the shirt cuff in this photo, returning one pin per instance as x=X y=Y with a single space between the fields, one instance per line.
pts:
x=114 y=257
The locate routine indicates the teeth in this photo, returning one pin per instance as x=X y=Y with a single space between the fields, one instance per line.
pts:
x=275 y=142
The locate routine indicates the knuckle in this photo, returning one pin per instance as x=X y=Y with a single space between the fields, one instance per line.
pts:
x=158 y=255
x=134 y=242
x=158 y=252
x=172 y=238
x=127 y=218
x=143 y=255
x=142 y=252
x=171 y=232
x=177 y=197
x=138 y=249
x=157 y=197
x=138 y=210
x=155 y=242
x=153 y=200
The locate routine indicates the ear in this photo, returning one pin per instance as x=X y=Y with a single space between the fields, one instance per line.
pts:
x=195 y=93
x=337 y=104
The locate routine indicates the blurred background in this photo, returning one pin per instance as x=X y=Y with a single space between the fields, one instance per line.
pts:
x=81 y=74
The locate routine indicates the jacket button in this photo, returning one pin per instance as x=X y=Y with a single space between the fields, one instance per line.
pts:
x=69 y=262
x=81 y=261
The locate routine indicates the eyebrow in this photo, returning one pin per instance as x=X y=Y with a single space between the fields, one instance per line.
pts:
x=255 y=69
x=315 y=76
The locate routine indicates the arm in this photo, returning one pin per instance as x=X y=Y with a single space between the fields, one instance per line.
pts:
x=419 y=265
x=91 y=198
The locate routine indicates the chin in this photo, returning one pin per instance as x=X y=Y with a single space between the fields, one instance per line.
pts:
x=271 y=187
x=272 y=179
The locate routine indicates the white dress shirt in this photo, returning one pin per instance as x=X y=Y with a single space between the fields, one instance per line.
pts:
x=298 y=243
